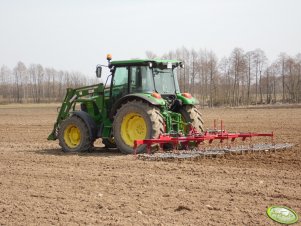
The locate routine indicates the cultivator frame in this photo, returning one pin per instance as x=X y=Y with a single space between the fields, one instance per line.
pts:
x=194 y=138
x=190 y=145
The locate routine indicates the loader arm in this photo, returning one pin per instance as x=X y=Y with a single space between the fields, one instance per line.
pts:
x=69 y=101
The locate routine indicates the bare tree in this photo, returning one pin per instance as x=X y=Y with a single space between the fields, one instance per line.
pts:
x=5 y=83
x=194 y=69
x=249 y=57
x=212 y=63
x=259 y=63
x=20 y=71
x=238 y=66
x=282 y=59
x=226 y=80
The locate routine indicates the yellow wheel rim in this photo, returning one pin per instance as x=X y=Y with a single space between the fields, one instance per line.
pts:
x=72 y=136
x=133 y=127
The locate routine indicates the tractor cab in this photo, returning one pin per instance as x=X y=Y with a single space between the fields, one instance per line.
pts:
x=146 y=76
x=150 y=77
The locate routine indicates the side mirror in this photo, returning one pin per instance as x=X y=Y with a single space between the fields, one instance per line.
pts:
x=98 y=71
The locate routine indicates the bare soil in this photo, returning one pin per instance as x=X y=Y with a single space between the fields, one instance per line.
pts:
x=41 y=185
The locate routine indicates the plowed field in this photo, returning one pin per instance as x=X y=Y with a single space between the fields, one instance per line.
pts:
x=41 y=185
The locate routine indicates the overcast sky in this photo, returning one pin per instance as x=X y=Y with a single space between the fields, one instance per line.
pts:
x=77 y=34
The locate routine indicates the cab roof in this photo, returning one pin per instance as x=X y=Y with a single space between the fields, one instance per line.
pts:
x=144 y=62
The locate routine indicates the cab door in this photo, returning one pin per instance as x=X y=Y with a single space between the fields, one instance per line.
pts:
x=119 y=84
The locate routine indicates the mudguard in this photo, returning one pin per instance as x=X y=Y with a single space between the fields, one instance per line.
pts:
x=90 y=123
x=145 y=97
x=187 y=101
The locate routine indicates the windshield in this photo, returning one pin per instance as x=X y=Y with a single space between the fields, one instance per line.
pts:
x=166 y=80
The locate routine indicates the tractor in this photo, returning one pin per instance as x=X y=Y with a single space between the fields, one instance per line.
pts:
x=143 y=101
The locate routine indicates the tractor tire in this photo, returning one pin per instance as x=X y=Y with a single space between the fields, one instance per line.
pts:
x=74 y=135
x=109 y=143
x=191 y=114
x=136 y=120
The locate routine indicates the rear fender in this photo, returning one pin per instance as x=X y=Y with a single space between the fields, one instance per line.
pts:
x=136 y=96
x=187 y=101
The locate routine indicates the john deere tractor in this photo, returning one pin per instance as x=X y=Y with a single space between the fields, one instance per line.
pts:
x=142 y=102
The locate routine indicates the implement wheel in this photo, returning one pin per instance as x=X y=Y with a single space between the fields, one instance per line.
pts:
x=74 y=135
x=136 y=120
x=191 y=114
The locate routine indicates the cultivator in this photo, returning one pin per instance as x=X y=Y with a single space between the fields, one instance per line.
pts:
x=192 y=145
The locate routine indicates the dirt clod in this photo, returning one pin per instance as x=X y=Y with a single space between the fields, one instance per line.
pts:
x=180 y=208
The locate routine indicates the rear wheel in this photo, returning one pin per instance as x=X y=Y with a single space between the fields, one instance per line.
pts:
x=191 y=114
x=136 y=120
x=74 y=135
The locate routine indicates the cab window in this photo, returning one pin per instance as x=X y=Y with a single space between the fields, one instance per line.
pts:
x=120 y=76
x=141 y=79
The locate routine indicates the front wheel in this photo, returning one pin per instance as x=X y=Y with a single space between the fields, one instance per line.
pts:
x=136 y=120
x=74 y=135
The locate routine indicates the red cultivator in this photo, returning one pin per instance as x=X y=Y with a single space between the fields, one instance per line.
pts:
x=190 y=145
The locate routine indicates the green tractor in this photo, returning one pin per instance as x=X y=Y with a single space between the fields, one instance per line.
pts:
x=142 y=102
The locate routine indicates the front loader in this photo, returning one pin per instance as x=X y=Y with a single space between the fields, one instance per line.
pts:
x=142 y=102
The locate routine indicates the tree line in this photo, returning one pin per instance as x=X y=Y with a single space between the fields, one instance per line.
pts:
x=36 y=84
x=242 y=78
